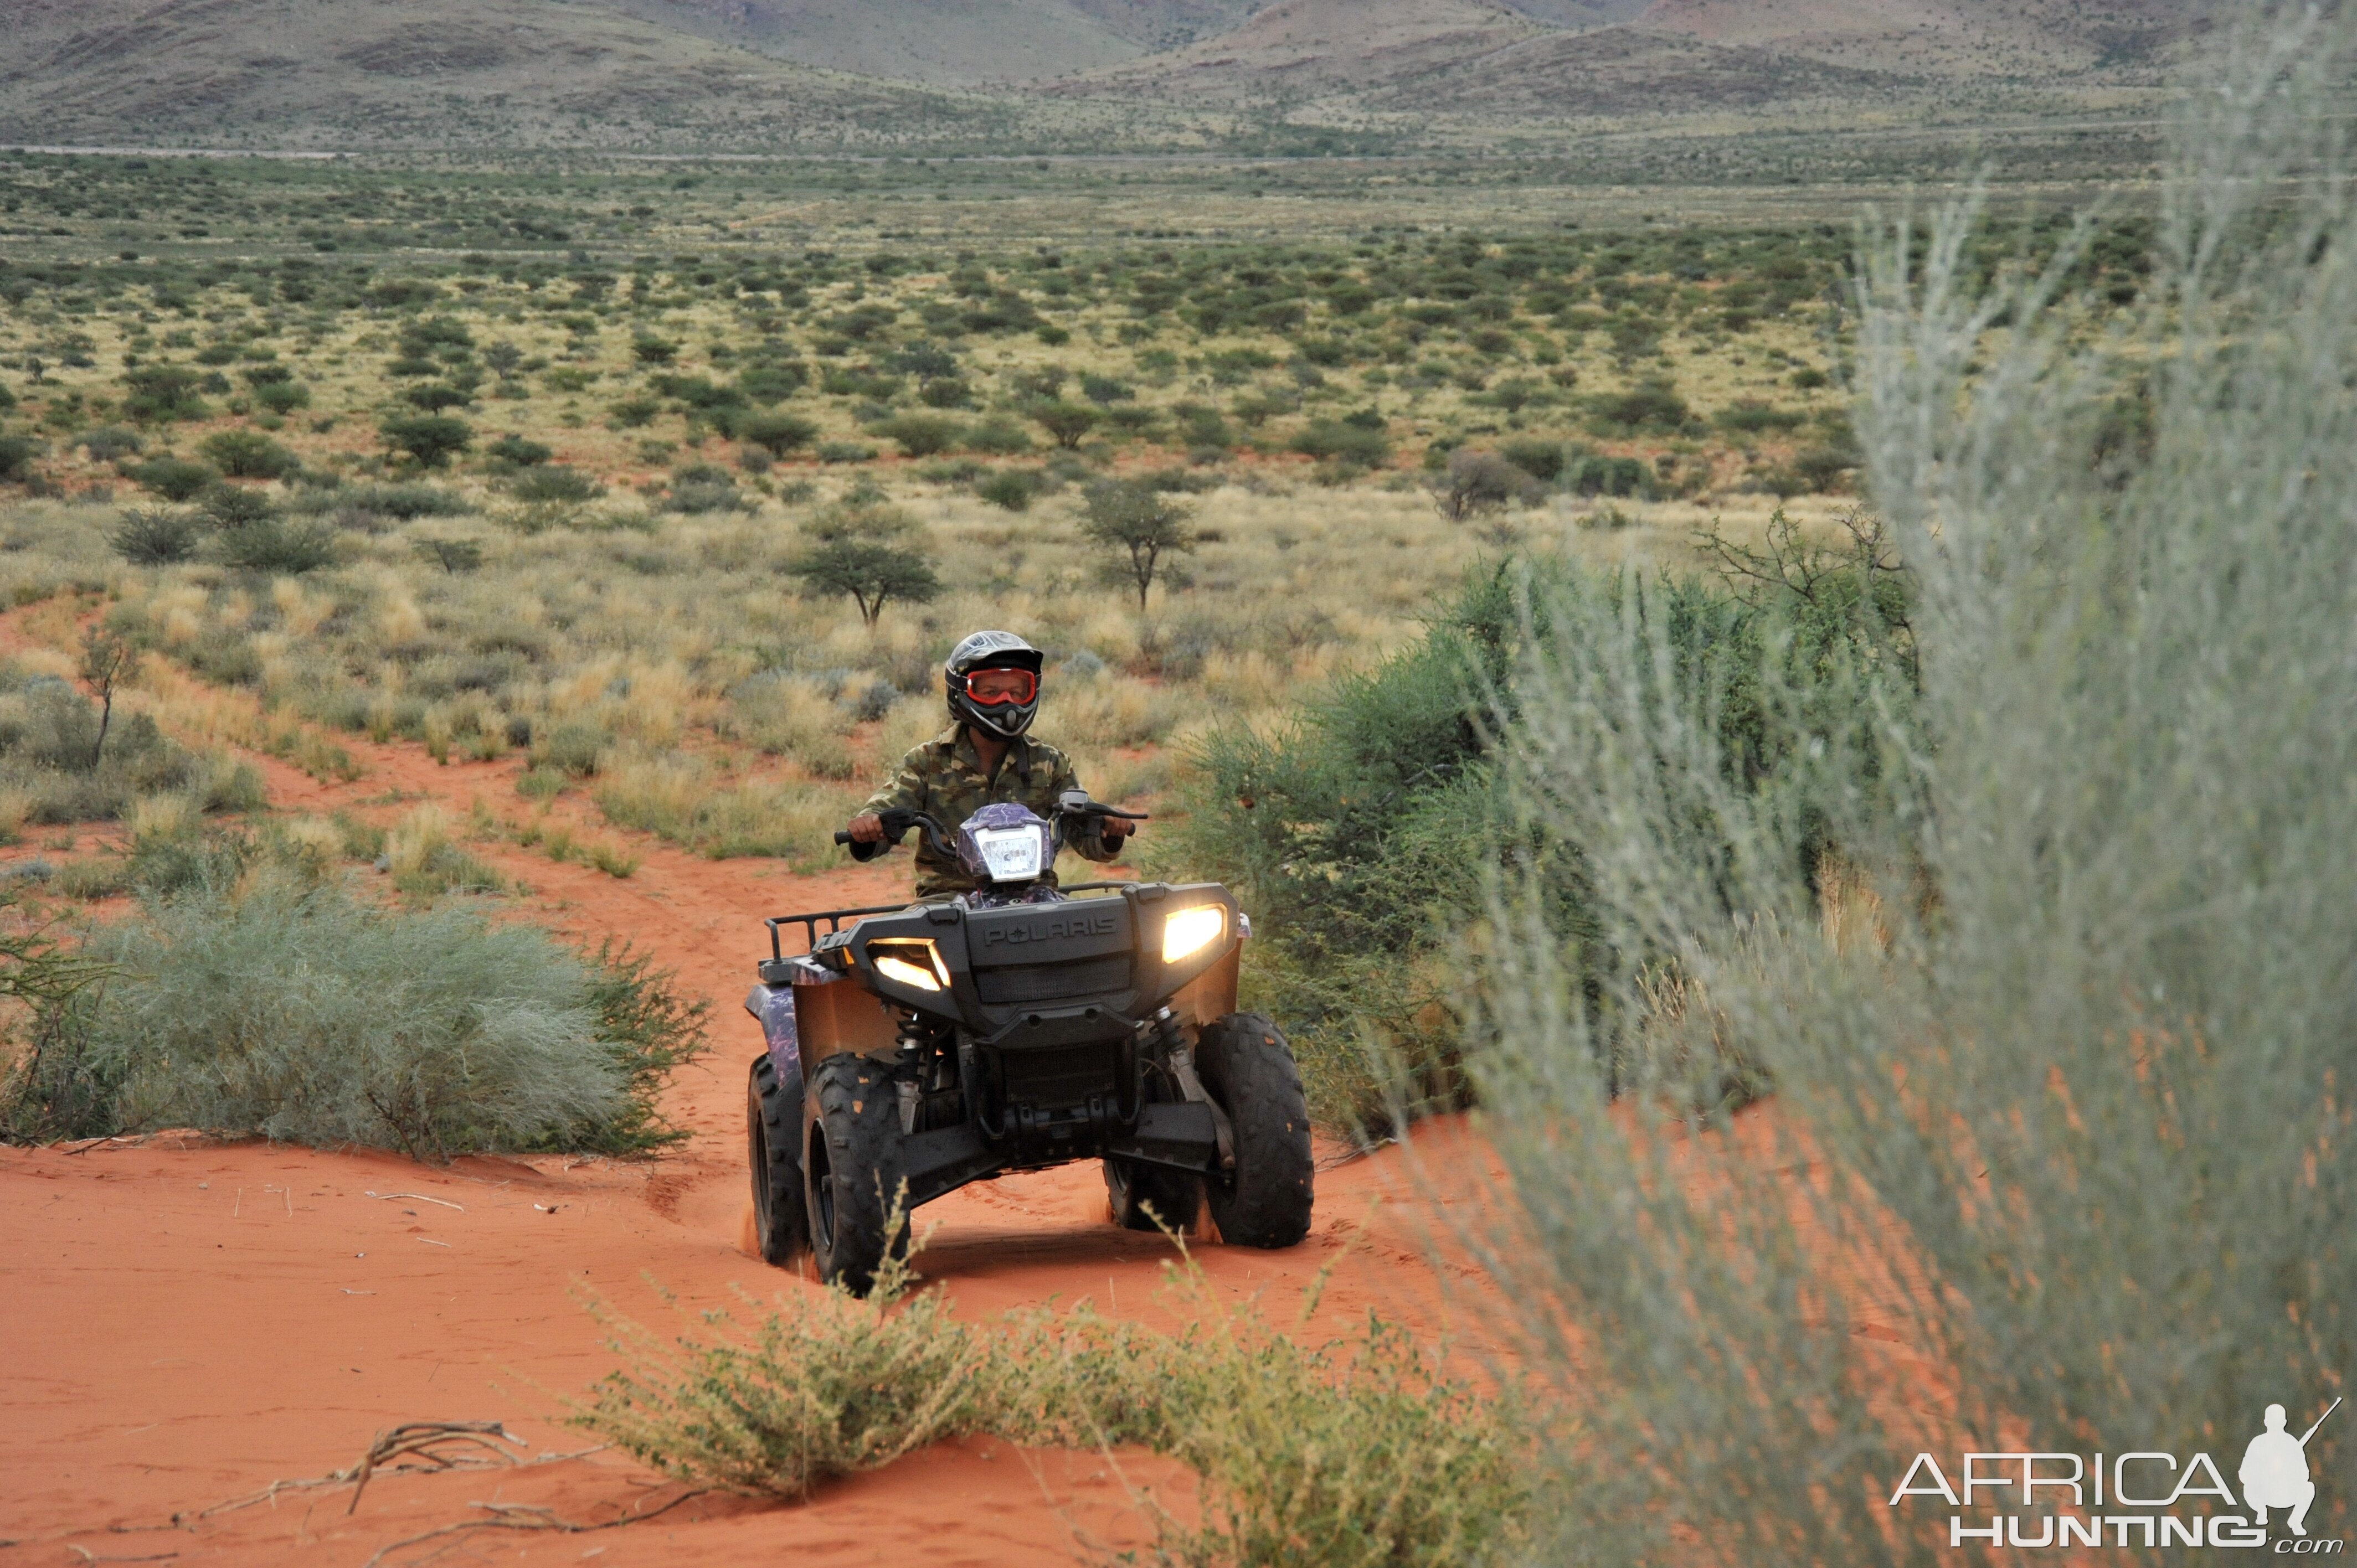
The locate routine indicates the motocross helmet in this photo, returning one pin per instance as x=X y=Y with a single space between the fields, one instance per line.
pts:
x=1005 y=717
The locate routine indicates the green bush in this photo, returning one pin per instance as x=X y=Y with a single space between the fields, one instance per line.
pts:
x=1344 y=442
x=311 y=1017
x=174 y=479
x=274 y=545
x=920 y=434
x=1360 y=1451
x=156 y=536
x=432 y=440
x=248 y=454
x=49 y=753
x=1652 y=407
x=17 y=454
x=776 y=431
x=554 y=483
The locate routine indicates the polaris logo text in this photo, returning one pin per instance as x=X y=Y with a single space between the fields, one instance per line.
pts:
x=2130 y=1499
x=1050 y=931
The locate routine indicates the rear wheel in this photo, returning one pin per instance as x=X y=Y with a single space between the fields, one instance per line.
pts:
x=851 y=1137
x=773 y=1135
x=1174 y=1198
x=1248 y=1068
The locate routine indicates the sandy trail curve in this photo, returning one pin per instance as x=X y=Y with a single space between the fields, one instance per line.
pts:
x=186 y=1321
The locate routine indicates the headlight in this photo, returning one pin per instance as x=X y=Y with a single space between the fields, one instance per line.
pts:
x=1189 y=932
x=915 y=964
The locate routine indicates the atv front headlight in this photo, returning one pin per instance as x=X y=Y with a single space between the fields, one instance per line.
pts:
x=1189 y=932
x=911 y=963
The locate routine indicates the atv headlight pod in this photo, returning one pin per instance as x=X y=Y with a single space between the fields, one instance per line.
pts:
x=1189 y=931
x=915 y=964
x=1013 y=854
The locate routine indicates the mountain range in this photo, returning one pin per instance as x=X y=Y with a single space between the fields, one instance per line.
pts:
x=750 y=74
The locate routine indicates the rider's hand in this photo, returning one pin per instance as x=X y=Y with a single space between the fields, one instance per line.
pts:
x=868 y=828
x=1113 y=830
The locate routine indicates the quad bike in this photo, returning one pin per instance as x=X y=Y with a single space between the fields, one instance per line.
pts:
x=913 y=1049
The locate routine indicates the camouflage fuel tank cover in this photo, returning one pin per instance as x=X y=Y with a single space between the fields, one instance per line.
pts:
x=945 y=778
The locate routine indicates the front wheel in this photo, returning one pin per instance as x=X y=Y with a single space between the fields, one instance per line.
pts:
x=773 y=1135
x=851 y=1138
x=1248 y=1068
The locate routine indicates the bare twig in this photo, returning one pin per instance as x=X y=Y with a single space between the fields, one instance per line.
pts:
x=416 y=1198
x=528 y=1516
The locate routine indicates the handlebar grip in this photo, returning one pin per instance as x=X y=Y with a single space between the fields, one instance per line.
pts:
x=843 y=836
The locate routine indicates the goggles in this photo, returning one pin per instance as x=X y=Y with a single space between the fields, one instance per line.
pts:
x=1010 y=688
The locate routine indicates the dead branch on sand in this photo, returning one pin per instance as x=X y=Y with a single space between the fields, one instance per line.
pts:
x=527 y=1517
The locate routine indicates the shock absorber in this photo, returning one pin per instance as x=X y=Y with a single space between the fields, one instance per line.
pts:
x=1181 y=1058
x=909 y=1069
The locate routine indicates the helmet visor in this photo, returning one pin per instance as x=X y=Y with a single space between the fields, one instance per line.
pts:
x=1002 y=688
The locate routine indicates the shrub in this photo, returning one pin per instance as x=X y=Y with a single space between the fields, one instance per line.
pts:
x=405 y=502
x=17 y=454
x=111 y=443
x=2049 y=1042
x=998 y=437
x=431 y=439
x=51 y=761
x=1541 y=458
x=155 y=536
x=701 y=487
x=1361 y=1451
x=776 y=431
x=515 y=449
x=1477 y=482
x=554 y=483
x=920 y=434
x=161 y=392
x=1344 y=442
x=174 y=479
x=1751 y=417
x=1068 y=424
x=309 y=1017
x=248 y=454
x=1654 y=406
x=845 y=452
x=274 y=545
x=1007 y=489
x=233 y=506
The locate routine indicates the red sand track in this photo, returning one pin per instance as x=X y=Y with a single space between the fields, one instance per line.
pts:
x=182 y=1323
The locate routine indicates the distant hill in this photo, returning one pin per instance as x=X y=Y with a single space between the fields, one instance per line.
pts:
x=367 y=73
x=949 y=42
x=815 y=74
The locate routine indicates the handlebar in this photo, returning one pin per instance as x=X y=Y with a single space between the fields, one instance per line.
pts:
x=900 y=819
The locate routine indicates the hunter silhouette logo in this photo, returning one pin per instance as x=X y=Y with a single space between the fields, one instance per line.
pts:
x=2142 y=1498
x=2275 y=1471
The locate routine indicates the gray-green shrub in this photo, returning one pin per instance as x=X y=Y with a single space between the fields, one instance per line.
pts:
x=2053 y=976
x=308 y=1016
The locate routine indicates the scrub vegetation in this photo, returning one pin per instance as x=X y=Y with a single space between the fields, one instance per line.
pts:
x=1362 y=1449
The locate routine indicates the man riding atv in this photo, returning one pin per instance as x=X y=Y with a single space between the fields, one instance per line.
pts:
x=1006 y=1024
x=985 y=758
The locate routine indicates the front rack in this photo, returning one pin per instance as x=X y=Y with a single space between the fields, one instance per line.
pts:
x=809 y=923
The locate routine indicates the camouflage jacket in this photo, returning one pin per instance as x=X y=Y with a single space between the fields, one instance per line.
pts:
x=943 y=777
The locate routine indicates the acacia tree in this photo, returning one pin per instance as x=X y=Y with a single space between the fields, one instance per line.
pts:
x=107 y=657
x=1141 y=520
x=870 y=551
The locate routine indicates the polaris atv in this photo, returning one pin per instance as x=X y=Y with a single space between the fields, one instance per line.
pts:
x=913 y=1049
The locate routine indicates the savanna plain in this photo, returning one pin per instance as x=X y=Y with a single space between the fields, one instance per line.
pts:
x=1608 y=642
